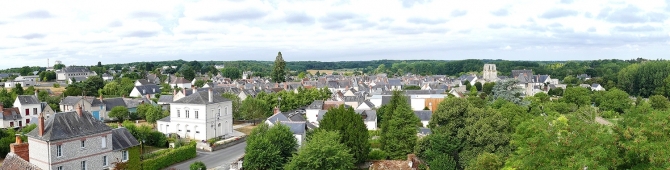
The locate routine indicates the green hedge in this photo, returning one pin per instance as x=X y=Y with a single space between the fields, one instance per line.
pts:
x=134 y=158
x=171 y=157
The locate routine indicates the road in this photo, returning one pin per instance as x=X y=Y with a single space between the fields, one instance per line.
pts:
x=223 y=157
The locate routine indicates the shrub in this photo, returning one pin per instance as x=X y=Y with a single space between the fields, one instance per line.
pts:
x=198 y=165
x=373 y=133
x=377 y=154
x=609 y=114
x=56 y=85
x=171 y=156
x=375 y=143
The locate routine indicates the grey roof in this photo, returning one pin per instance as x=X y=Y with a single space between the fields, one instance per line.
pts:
x=369 y=103
x=179 y=80
x=316 y=104
x=425 y=131
x=395 y=82
x=13 y=162
x=122 y=139
x=74 y=69
x=595 y=85
x=143 y=82
x=28 y=99
x=165 y=119
x=113 y=102
x=10 y=113
x=70 y=100
x=387 y=99
x=78 y=79
x=148 y=89
x=165 y=99
x=411 y=92
x=295 y=117
x=320 y=115
x=277 y=118
x=201 y=97
x=424 y=115
x=66 y=125
x=371 y=115
x=296 y=127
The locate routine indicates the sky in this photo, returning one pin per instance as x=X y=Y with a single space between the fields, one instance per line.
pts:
x=122 y=31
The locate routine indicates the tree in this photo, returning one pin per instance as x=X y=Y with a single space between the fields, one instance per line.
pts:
x=269 y=147
x=642 y=137
x=119 y=112
x=552 y=142
x=323 y=151
x=254 y=109
x=188 y=73
x=199 y=83
x=473 y=91
x=508 y=90
x=478 y=85
x=411 y=87
x=231 y=72
x=438 y=150
x=354 y=134
x=236 y=104
x=577 y=95
x=198 y=165
x=399 y=137
x=615 y=100
x=279 y=70
x=59 y=66
x=26 y=71
x=486 y=161
x=659 y=102
x=570 y=80
x=18 y=90
x=301 y=75
x=488 y=87
x=558 y=91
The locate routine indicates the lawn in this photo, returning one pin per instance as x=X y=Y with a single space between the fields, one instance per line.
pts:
x=247 y=129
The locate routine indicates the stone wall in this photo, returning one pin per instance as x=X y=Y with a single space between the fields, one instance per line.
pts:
x=205 y=146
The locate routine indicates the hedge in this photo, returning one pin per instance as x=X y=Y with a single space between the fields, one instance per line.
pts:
x=170 y=157
x=134 y=158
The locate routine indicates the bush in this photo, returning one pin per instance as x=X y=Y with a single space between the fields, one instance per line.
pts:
x=56 y=85
x=609 y=114
x=377 y=154
x=372 y=133
x=170 y=157
x=197 y=165
x=375 y=143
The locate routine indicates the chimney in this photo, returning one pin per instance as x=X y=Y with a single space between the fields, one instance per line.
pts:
x=149 y=96
x=19 y=148
x=211 y=95
x=174 y=92
x=100 y=97
x=183 y=91
x=79 y=112
x=36 y=92
x=277 y=110
x=194 y=89
x=41 y=124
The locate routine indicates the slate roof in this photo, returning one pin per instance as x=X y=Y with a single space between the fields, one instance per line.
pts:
x=424 y=115
x=67 y=125
x=425 y=131
x=165 y=99
x=320 y=115
x=143 y=82
x=179 y=80
x=70 y=100
x=387 y=99
x=148 y=89
x=371 y=115
x=395 y=82
x=10 y=114
x=369 y=103
x=13 y=162
x=122 y=139
x=113 y=102
x=74 y=69
x=316 y=104
x=201 y=97
x=296 y=127
x=277 y=118
x=28 y=99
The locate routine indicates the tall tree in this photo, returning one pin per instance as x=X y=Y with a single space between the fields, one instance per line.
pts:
x=231 y=72
x=659 y=102
x=279 y=71
x=577 y=95
x=401 y=126
x=269 y=147
x=323 y=151
x=354 y=133
x=508 y=90
x=119 y=112
x=643 y=138
x=236 y=104
x=615 y=100
x=254 y=109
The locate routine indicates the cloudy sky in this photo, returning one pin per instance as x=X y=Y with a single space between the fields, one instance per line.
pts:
x=83 y=33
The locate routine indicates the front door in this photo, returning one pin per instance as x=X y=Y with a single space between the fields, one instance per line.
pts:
x=96 y=115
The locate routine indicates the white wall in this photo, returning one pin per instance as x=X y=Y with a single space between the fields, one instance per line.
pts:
x=371 y=125
x=418 y=104
x=311 y=114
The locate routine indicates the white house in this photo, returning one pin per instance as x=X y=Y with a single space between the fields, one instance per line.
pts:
x=12 y=84
x=73 y=72
x=180 y=82
x=144 y=90
x=11 y=117
x=370 y=119
x=424 y=116
x=597 y=87
x=201 y=116
x=29 y=106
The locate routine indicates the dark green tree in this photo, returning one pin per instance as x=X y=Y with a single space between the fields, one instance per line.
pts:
x=279 y=71
x=188 y=73
x=323 y=151
x=354 y=134
x=18 y=90
x=615 y=100
x=254 y=109
x=198 y=165
x=269 y=147
x=488 y=87
x=659 y=102
x=438 y=150
x=479 y=86
x=236 y=104
x=577 y=95
x=399 y=137
x=411 y=87
x=119 y=112
x=231 y=72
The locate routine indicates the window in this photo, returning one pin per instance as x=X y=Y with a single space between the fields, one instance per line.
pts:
x=225 y=111
x=124 y=155
x=219 y=114
x=59 y=168
x=186 y=113
x=83 y=143
x=27 y=121
x=104 y=160
x=34 y=111
x=83 y=165
x=104 y=142
x=27 y=112
x=196 y=114
x=59 y=151
x=178 y=113
x=197 y=131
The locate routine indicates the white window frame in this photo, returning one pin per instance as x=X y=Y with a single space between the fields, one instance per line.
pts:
x=124 y=155
x=59 y=150
x=104 y=141
x=83 y=143
x=104 y=160
x=196 y=114
x=187 y=114
x=83 y=165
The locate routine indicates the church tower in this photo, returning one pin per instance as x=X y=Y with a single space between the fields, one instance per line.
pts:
x=490 y=72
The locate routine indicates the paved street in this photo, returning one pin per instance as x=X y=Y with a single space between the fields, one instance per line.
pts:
x=215 y=159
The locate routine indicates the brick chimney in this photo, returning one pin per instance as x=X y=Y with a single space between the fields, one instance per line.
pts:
x=277 y=110
x=40 y=123
x=79 y=111
x=194 y=89
x=183 y=91
x=174 y=92
x=211 y=95
x=19 y=148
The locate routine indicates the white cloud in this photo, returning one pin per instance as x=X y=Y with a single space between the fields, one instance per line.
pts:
x=330 y=30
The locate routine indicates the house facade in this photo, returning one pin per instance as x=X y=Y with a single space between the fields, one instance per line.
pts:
x=73 y=72
x=201 y=116
x=29 y=107
x=11 y=117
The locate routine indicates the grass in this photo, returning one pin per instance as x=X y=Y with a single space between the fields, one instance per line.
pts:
x=247 y=129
